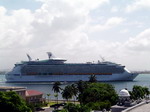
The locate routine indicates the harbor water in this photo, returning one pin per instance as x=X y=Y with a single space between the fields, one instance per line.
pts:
x=46 y=88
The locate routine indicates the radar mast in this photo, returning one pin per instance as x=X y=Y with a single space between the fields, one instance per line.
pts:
x=102 y=58
x=49 y=55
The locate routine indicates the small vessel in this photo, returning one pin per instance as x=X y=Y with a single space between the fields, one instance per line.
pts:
x=54 y=69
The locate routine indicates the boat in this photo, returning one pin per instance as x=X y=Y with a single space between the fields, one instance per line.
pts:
x=56 y=69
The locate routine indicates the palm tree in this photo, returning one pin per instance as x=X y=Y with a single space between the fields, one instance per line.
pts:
x=92 y=78
x=74 y=91
x=56 y=88
x=67 y=92
x=48 y=97
x=56 y=96
x=81 y=85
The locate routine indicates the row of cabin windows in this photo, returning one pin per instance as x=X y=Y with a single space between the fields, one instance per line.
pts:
x=69 y=73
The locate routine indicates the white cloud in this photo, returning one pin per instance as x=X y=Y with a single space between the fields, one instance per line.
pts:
x=140 y=43
x=138 y=4
x=114 y=9
x=62 y=27
x=114 y=21
x=14 y=28
x=134 y=53
x=110 y=23
x=56 y=26
x=124 y=31
x=2 y=11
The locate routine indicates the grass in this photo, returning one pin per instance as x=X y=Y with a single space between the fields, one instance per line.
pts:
x=52 y=102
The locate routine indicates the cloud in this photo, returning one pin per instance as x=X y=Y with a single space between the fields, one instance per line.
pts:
x=137 y=5
x=140 y=43
x=56 y=26
x=114 y=9
x=14 y=28
x=114 y=21
x=62 y=27
x=110 y=23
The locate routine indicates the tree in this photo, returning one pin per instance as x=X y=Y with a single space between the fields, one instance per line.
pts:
x=48 y=97
x=146 y=91
x=56 y=88
x=92 y=78
x=67 y=93
x=70 y=107
x=12 y=102
x=98 y=93
x=74 y=91
x=81 y=85
x=139 y=92
x=56 y=96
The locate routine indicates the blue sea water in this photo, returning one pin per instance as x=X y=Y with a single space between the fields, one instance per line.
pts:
x=46 y=88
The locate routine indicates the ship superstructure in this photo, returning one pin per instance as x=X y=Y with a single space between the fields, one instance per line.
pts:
x=54 y=69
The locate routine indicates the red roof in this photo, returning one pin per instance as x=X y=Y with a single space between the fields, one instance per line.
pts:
x=33 y=93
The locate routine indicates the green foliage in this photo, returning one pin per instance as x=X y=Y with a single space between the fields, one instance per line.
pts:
x=81 y=85
x=70 y=91
x=67 y=93
x=146 y=91
x=105 y=105
x=94 y=106
x=139 y=92
x=74 y=90
x=56 y=87
x=99 y=105
x=12 y=102
x=99 y=92
x=92 y=78
x=63 y=110
x=84 y=108
x=70 y=107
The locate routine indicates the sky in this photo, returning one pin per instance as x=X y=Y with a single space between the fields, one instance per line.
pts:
x=76 y=30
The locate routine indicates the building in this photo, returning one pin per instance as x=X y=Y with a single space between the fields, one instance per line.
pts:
x=31 y=96
x=19 y=90
x=124 y=98
x=34 y=97
x=124 y=101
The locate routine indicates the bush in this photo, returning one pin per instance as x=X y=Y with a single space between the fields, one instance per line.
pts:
x=12 y=102
x=105 y=105
x=99 y=105
x=70 y=107
x=94 y=106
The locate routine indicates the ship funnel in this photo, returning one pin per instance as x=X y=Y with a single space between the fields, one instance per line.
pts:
x=30 y=59
x=49 y=55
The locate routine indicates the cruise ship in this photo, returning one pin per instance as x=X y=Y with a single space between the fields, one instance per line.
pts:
x=54 y=69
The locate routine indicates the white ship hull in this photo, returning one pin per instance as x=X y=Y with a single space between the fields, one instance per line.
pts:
x=70 y=78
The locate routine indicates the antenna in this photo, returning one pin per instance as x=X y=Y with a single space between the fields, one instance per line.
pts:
x=49 y=55
x=102 y=58
x=30 y=59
